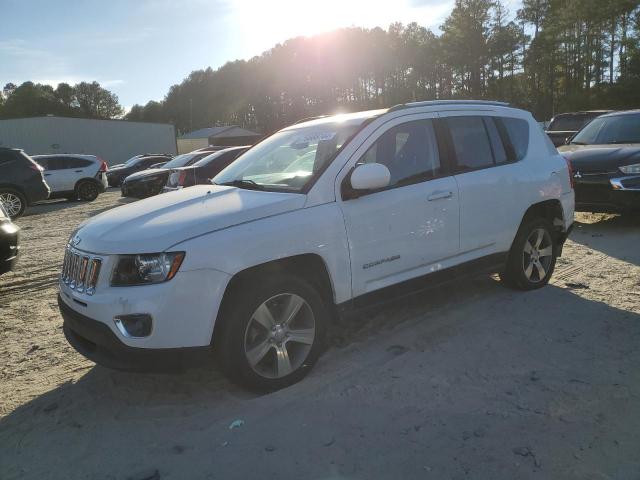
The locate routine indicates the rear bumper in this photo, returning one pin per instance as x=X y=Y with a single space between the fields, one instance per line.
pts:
x=95 y=341
x=37 y=191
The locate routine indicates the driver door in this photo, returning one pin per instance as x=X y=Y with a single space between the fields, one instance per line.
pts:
x=406 y=229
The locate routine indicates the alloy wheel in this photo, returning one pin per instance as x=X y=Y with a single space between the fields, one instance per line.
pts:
x=12 y=203
x=537 y=255
x=279 y=335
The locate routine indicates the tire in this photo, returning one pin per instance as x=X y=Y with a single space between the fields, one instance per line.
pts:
x=264 y=359
x=87 y=191
x=14 y=202
x=532 y=257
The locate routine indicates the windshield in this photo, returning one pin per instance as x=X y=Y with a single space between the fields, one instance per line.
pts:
x=204 y=161
x=132 y=160
x=571 y=123
x=610 y=130
x=180 y=160
x=289 y=159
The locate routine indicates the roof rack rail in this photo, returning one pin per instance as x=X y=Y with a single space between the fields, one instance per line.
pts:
x=308 y=119
x=431 y=103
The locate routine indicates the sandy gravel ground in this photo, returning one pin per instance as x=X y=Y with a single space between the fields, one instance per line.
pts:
x=468 y=381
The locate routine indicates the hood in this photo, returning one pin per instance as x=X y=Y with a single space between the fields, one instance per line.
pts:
x=146 y=173
x=601 y=158
x=157 y=223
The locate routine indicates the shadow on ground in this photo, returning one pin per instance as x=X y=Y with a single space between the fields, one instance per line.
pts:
x=615 y=235
x=472 y=379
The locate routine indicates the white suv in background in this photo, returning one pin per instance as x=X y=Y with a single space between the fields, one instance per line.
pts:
x=324 y=216
x=74 y=177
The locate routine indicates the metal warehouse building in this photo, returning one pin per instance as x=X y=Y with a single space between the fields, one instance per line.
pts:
x=228 y=136
x=115 y=141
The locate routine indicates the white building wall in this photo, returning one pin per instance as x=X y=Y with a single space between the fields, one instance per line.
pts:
x=113 y=140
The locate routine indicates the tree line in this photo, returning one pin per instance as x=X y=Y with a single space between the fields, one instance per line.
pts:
x=87 y=100
x=550 y=56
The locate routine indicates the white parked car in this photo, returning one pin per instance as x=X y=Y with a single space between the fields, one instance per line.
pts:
x=255 y=266
x=74 y=177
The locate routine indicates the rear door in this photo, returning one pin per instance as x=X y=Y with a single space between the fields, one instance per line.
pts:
x=489 y=181
x=405 y=230
x=57 y=174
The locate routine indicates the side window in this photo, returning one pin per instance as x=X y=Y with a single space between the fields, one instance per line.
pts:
x=43 y=162
x=409 y=151
x=518 y=132
x=497 y=147
x=470 y=142
x=77 y=162
x=57 y=163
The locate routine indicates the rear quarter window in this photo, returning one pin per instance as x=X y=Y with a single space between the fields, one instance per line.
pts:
x=518 y=132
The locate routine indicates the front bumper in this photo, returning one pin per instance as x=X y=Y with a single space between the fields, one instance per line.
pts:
x=9 y=246
x=95 y=341
x=608 y=193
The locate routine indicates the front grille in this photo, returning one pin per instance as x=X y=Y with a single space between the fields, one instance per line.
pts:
x=80 y=271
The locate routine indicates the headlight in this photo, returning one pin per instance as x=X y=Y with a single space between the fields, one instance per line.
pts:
x=631 y=169
x=145 y=269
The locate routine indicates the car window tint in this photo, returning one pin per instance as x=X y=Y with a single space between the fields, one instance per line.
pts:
x=43 y=162
x=57 y=163
x=470 y=142
x=409 y=151
x=77 y=162
x=518 y=131
x=497 y=147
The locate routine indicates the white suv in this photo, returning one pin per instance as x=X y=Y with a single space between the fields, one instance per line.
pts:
x=326 y=215
x=74 y=177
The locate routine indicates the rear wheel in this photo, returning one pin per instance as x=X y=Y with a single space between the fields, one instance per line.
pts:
x=532 y=258
x=87 y=191
x=273 y=333
x=13 y=201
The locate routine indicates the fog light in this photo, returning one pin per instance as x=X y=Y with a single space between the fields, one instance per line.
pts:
x=134 y=326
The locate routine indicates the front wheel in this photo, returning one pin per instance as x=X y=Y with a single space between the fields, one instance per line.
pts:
x=533 y=255
x=273 y=332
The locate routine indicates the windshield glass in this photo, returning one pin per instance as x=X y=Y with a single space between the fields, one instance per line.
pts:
x=610 y=130
x=204 y=161
x=571 y=123
x=180 y=161
x=288 y=159
x=132 y=160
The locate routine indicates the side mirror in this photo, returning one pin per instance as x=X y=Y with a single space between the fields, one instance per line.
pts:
x=370 y=176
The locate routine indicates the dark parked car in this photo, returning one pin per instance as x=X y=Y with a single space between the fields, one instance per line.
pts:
x=9 y=242
x=21 y=181
x=203 y=170
x=151 y=182
x=605 y=157
x=565 y=125
x=117 y=173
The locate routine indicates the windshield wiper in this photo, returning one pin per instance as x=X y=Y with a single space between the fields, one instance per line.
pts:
x=623 y=141
x=577 y=143
x=244 y=183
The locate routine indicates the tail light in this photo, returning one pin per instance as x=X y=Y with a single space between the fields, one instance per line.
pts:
x=103 y=166
x=182 y=178
x=570 y=169
x=36 y=167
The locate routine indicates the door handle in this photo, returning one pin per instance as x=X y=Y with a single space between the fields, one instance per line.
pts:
x=78 y=171
x=47 y=174
x=439 y=196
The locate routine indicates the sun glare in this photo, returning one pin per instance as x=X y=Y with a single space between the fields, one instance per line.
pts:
x=265 y=23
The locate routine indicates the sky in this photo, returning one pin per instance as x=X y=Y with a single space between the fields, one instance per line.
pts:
x=139 y=48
